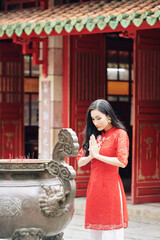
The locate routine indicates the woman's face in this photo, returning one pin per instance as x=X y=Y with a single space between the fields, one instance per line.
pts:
x=100 y=120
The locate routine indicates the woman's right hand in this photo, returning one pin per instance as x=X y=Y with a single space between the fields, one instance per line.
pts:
x=84 y=160
x=93 y=147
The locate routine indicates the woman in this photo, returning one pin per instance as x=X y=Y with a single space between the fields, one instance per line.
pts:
x=106 y=146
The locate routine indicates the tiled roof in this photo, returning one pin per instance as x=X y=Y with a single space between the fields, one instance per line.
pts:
x=80 y=16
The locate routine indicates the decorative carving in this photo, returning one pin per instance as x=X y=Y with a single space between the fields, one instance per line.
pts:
x=148 y=141
x=64 y=171
x=52 y=201
x=57 y=237
x=67 y=145
x=10 y=207
x=22 y=166
x=27 y=234
x=9 y=143
x=148 y=147
x=55 y=202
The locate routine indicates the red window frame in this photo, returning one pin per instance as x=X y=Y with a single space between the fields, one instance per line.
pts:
x=20 y=4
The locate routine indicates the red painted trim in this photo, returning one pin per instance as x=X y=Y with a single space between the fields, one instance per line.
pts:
x=134 y=133
x=66 y=81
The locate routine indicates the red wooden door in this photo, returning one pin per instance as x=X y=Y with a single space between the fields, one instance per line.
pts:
x=87 y=84
x=11 y=101
x=146 y=125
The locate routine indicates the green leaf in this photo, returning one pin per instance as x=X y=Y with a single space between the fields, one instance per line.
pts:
x=9 y=32
x=151 y=20
x=55 y=22
x=18 y=25
x=63 y=23
x=109 y=18
x=1 y=33
x=38 y=29
x=146 y=14
x=74 y=21
x=48 y=29
x=134 y=15
x=52 y=24
x=90 y=26
x=19 y=31
x=13 y=26
x=43 y=24
x=33 y=25
x=125 y=23
x=137 y=22
x=58 y=28
x=4 y=27
x=95 y=20
x=23 y=25
x=28 y=30
x=157 y=13
x=85 y=20
x=68 y=28
x=113 y=24
x=101 y=25
x=79 y=27
x=28 y=24
x=121 y=16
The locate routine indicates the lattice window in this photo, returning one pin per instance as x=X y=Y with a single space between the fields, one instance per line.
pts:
x=20 y=4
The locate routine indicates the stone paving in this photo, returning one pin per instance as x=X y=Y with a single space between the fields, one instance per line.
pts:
x=135 y=231
x=144 y=222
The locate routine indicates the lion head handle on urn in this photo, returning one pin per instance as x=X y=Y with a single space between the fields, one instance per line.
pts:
x=55 y=201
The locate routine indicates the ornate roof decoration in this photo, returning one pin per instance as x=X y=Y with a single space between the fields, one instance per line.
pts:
x=101 y=16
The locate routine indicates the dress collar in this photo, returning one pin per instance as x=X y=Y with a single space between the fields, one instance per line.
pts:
x=108 y=131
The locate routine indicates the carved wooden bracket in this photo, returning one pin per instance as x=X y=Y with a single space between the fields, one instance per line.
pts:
x=127 y=34
x=35 y=50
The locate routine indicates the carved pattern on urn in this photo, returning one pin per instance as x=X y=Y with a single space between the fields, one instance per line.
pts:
x=28 y=234
x=10 y=207
x=52 y=200
x=55 y=202
x=23 y=166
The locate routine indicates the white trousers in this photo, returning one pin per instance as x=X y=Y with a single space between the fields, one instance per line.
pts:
x=116 y=234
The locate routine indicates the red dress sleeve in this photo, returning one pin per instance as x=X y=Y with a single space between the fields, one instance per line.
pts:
x=81 y=154
x=122 y=147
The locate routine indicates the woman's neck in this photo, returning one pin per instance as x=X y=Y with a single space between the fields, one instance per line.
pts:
x=108 y=127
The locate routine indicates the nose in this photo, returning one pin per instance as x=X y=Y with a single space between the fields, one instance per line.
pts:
x=96 y=123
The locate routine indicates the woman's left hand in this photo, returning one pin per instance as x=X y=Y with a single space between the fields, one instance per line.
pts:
x=93 y=146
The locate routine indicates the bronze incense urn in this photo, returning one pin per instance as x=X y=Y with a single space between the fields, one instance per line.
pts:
x=37 y=196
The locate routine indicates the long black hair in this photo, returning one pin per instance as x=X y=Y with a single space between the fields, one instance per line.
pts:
x=104 y=107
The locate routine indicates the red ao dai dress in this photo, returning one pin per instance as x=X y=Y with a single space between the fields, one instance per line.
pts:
x=106 y=206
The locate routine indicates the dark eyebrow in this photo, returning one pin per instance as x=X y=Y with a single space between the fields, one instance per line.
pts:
x=96 y=116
